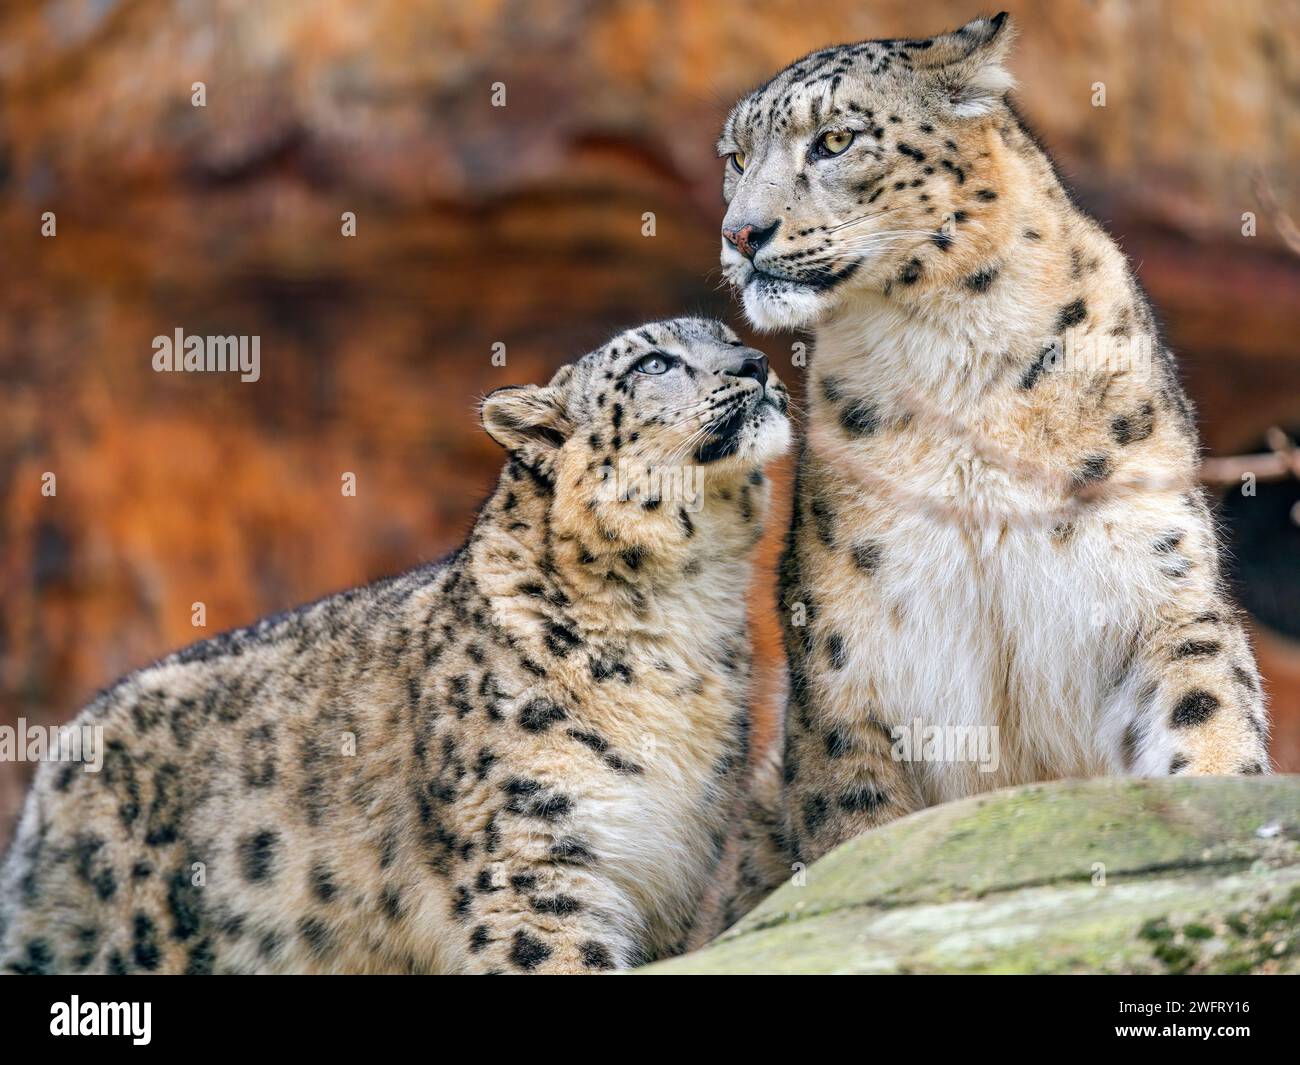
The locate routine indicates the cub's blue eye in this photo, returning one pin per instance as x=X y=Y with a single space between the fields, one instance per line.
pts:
x=653 y=365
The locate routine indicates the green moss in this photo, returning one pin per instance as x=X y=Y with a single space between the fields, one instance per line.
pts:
x=1284 y=914
x=1177 y=959
x=1157 y=930
x=1253 y=940
x=1268 y=937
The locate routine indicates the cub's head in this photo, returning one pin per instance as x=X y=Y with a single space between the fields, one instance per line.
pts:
x=669 y=406
x=861 y=166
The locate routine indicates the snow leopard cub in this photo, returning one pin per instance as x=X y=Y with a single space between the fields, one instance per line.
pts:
x=521 y=759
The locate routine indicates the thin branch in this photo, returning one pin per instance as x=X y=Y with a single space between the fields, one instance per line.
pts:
x=1282 y=462
x=1286 y=228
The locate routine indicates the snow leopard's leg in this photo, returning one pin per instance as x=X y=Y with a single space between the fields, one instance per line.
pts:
x=757 y=857
x=841 y=776
x=554 y=916
x=1200 y=703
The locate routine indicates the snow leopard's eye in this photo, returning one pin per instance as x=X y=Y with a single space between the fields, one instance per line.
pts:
x=834 y=142
x=653 y=364
x=738 y=162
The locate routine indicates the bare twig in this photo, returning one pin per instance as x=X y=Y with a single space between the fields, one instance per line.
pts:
x=1283 y=461
x=1286 y=228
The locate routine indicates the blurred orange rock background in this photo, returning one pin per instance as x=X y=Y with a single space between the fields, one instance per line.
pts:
x=477 y=225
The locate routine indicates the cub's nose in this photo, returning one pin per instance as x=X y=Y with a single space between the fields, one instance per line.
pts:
x=749 y=237
x=754 y=366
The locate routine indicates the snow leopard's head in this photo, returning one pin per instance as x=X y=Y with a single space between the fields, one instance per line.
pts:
x=862 y=165
x=677 y=403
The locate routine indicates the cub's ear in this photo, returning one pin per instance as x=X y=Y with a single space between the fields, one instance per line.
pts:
x=967 y=65
x=526 y=418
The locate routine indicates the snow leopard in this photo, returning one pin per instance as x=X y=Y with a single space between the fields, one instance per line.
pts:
x=524 y=758
x=1001 y=567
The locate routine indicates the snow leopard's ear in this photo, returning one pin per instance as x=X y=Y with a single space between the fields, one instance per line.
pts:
x=968 y=65
x=527 y=419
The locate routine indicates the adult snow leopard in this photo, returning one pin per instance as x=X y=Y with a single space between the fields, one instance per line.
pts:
x=998 y=537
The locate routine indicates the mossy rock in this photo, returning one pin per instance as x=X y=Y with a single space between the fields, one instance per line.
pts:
x=1113 y=876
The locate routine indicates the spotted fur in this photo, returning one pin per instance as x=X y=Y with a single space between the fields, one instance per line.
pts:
x=522 y=759
x=989 y=529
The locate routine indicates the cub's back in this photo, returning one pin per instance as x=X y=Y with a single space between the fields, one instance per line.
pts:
x=219 y=763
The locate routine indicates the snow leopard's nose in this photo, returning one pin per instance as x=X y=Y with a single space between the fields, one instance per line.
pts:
x=754 y=366
x=750 y=237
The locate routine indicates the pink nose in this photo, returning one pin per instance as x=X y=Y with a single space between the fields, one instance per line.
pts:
x=749 y=238
x=739 y=239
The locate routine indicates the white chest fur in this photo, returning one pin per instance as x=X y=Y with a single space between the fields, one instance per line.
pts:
x=655 y=830
x=985 y=611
